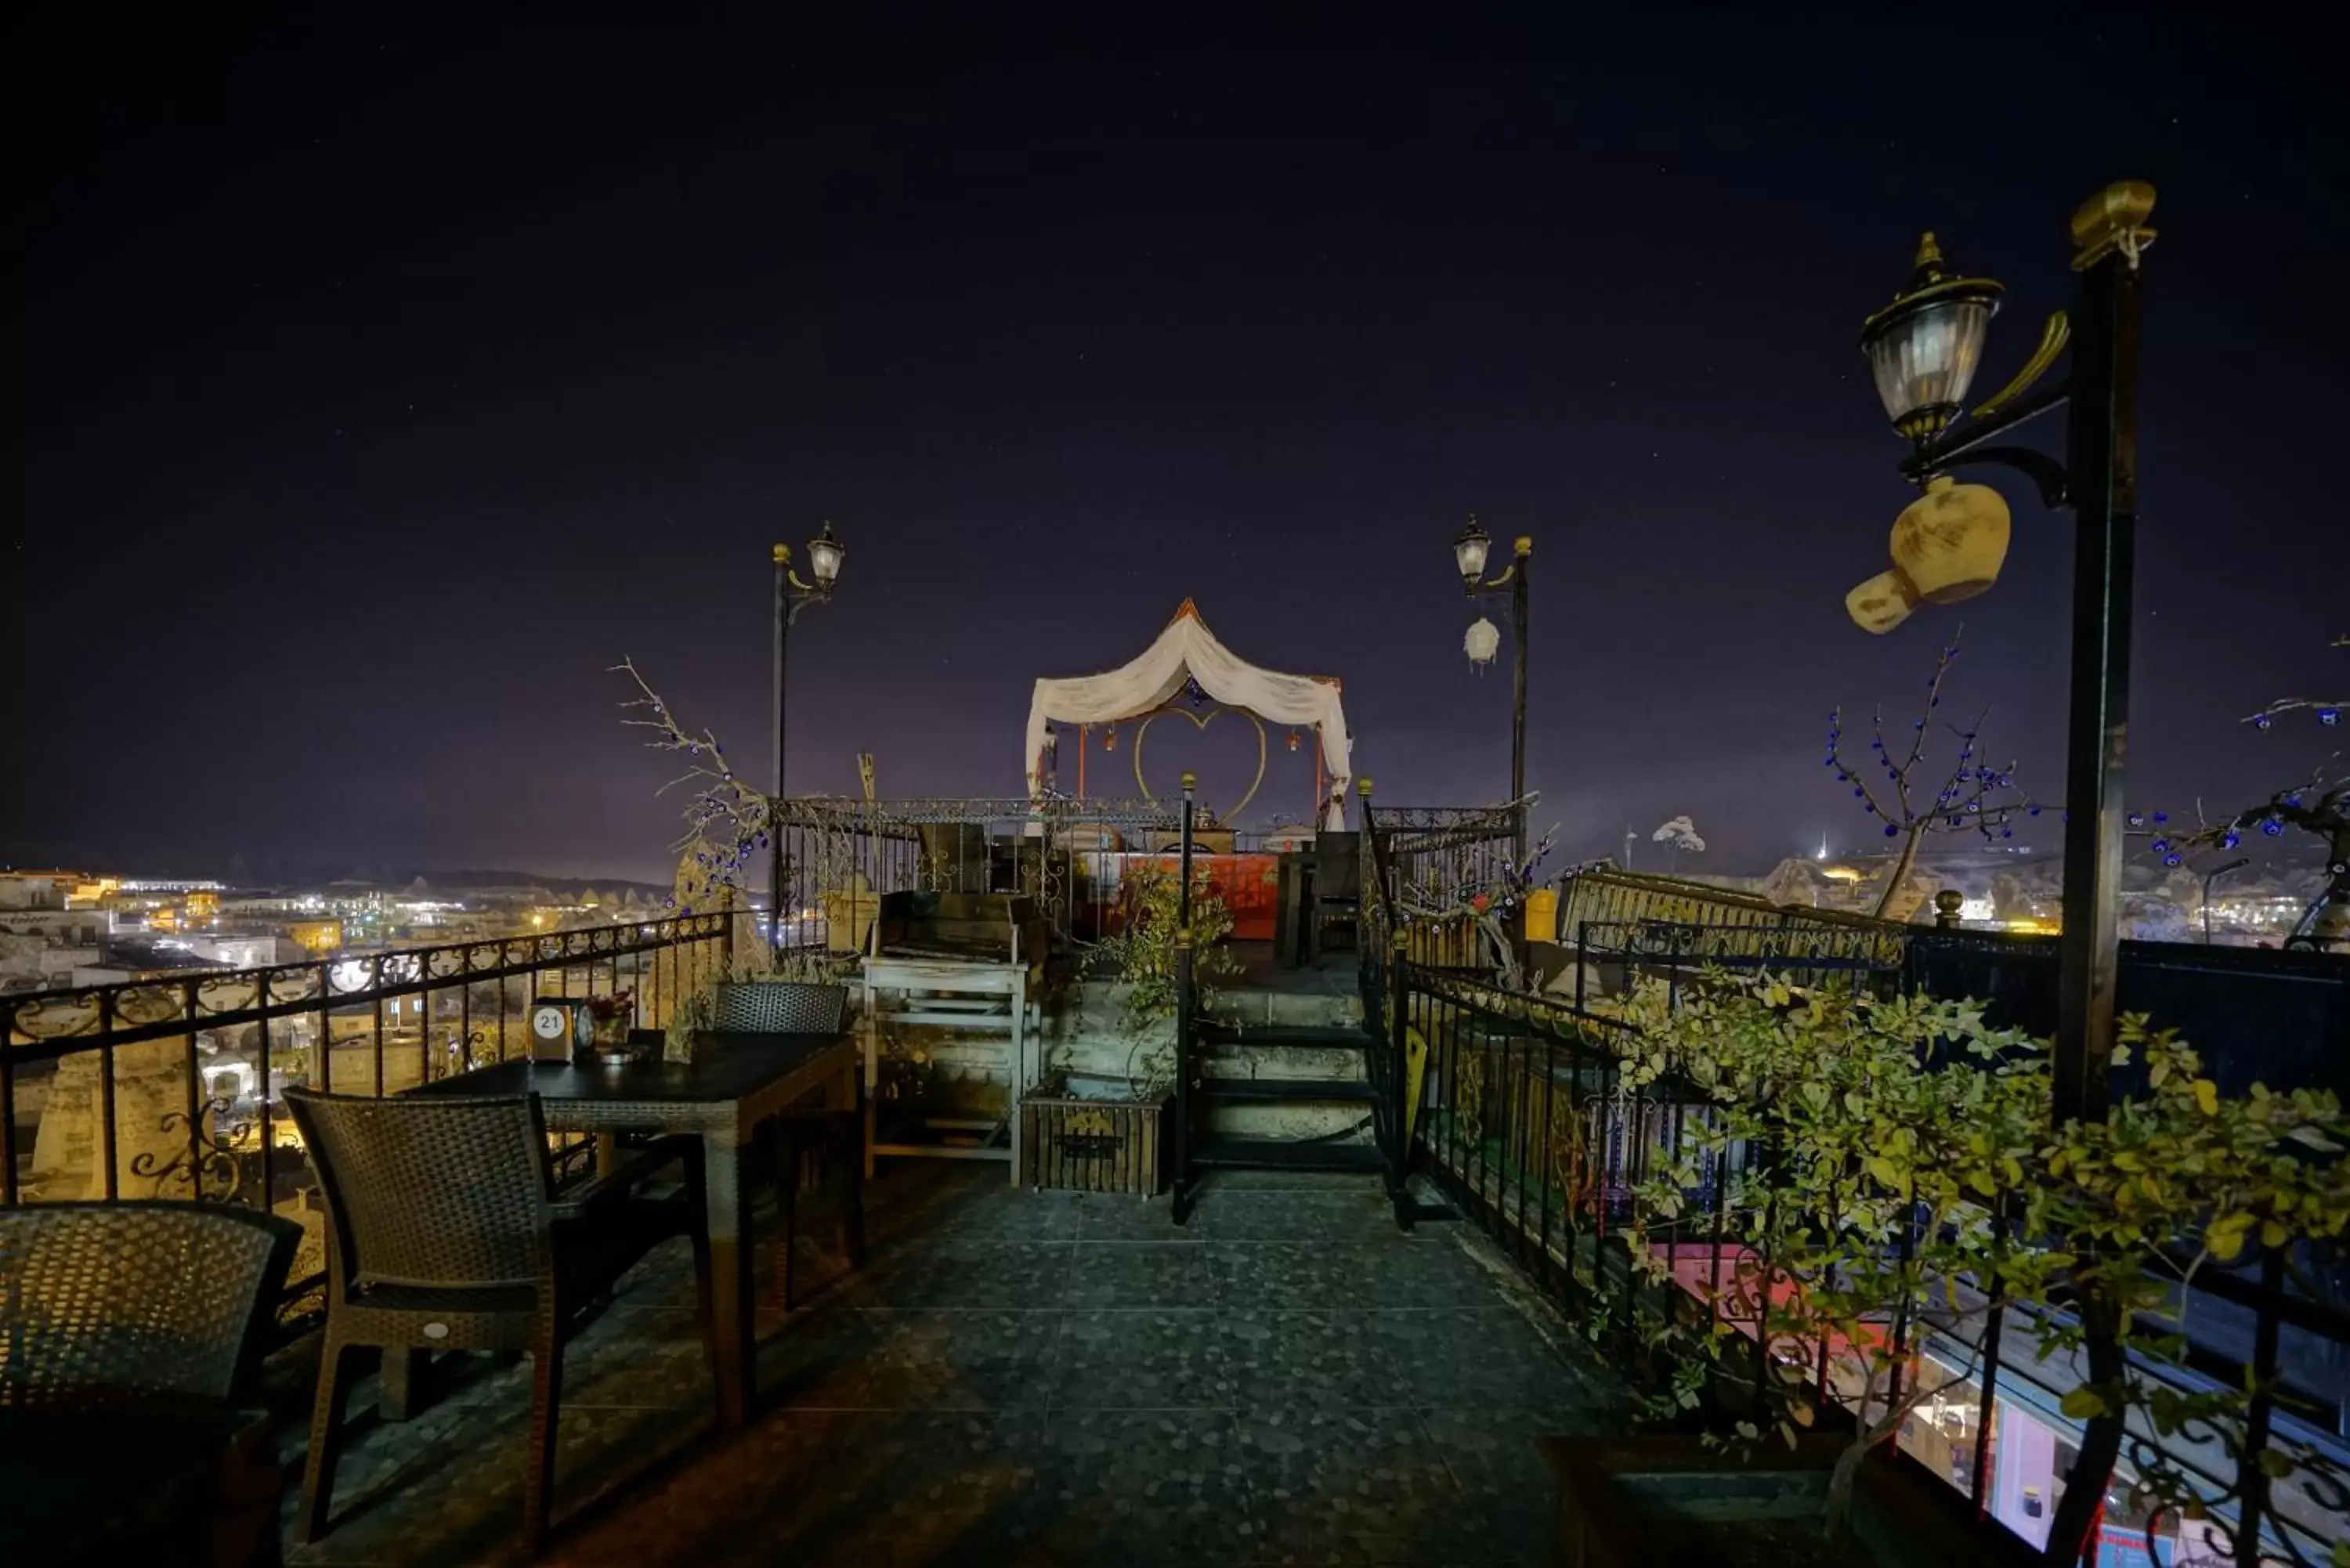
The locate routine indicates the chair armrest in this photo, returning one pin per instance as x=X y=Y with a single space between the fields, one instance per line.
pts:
x=615 y=1185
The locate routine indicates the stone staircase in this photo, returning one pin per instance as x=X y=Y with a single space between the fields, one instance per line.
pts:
x=1282 y=1096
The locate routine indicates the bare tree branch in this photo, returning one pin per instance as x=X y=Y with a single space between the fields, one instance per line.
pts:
x=1971 y=794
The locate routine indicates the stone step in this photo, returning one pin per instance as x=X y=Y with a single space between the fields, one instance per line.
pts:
x=1270 y=1154
x=1216 y=1031
x=1260 y=1090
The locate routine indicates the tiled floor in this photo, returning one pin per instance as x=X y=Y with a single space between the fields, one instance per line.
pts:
x=1036 y=1378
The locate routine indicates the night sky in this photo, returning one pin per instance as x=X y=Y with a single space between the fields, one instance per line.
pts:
x=383 y=380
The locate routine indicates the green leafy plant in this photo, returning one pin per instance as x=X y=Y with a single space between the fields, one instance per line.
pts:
x=1142 y=957
x=2178 y=1181
x=1881 y=1151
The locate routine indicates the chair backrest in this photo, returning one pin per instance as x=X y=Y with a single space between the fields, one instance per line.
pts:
x=431 y=1190
x=127 y=1302
x=780 y=1007
x=1338 y=866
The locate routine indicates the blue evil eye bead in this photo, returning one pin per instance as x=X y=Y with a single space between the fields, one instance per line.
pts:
x=1951 y=822
x=2230 y=838
x=2273 y=828
x=2136 y=819
x=2171 y=860
x=1875 y=745
x=2329 y=715
x=1891 y=831
x=2293 y=799
x=2161 y=846
x=2262 y=721
x=2032 y=811
x=2160 y=818
x=2007 y=832
x=1857 y=792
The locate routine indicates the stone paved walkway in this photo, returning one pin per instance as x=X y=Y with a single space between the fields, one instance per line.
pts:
x=1021 y=1378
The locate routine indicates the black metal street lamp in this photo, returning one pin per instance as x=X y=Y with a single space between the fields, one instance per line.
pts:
x=1469 y=555
x=1923 y=349
x=792 y=596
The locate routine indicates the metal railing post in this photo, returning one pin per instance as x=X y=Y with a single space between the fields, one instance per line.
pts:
x=1398 y=1068
x=1184 y=893
x=1182 y=1142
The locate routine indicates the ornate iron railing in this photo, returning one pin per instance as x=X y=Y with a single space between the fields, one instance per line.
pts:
x=170 y=1087
x=1427 y=857
x=1069 y=855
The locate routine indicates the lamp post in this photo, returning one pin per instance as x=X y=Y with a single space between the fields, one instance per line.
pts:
x=792 y=596
x=1469 y=551
x=1922 y=352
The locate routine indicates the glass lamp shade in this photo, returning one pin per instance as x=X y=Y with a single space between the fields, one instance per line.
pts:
x=824 y=555
x=1923 y=348
x=1468 y=550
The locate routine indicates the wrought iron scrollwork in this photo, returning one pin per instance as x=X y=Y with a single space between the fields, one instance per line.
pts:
x=198 y=1162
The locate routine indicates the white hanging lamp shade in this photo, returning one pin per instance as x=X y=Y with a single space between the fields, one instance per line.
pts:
x=1482 y=642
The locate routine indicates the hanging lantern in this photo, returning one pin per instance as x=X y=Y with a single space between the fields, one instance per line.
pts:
x=1482 y=642
x=1951 y=541
x=824 y=555
x=1469 y=551
x=1293 y=740
x=1923 y=348
x=1109 y=741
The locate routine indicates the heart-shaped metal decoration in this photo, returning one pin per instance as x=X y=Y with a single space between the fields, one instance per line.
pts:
x=1201 y=722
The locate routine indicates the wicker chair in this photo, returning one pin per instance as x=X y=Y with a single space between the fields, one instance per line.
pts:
x=131 y=1344
x=444 y=1233
x=799 y=1007
x=132 y=1303
x=778 y=1007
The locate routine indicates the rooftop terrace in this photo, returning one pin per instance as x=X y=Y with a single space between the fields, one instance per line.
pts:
x=1020 y=1377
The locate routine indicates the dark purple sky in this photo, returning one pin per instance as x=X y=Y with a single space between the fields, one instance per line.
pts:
x=382 y=382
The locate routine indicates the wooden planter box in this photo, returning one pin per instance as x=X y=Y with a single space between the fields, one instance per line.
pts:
x=1619 y=1498
x=1092 y=1146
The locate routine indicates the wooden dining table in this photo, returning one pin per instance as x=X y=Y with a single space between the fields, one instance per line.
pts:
x=734 y=1083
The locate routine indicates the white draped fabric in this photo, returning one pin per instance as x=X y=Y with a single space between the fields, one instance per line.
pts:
x=1188 y=651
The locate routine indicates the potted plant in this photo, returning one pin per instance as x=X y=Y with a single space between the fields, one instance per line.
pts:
x=612 y=1017
x=1111 y=1143
x=1847 y=1147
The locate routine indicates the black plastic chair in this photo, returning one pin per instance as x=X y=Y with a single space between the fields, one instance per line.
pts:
x=444 y=1233
x=800 y=1007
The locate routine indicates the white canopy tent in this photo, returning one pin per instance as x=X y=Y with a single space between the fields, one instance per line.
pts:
x=1187 y=651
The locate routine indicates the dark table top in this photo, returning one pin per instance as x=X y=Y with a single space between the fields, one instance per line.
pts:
x=725 y=1066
